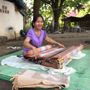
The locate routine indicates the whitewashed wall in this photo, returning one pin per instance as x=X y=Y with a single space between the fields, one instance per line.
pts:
x=9 y=17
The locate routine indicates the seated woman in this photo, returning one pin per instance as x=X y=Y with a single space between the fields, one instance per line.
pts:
x=35 y=37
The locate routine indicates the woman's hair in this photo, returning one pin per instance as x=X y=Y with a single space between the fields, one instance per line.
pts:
x=35 y=19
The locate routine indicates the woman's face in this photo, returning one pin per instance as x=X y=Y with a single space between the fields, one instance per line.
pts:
x=38 y=24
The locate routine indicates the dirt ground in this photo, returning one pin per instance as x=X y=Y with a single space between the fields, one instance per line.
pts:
x=68 y=39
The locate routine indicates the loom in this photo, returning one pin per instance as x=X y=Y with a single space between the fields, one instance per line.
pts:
x=56 y=57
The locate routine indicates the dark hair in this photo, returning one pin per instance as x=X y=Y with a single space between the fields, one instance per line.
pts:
x=35 y=19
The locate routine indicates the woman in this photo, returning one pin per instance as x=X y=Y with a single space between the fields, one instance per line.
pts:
x=35 y=37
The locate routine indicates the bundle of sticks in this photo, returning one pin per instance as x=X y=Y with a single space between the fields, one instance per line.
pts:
x=55 y=57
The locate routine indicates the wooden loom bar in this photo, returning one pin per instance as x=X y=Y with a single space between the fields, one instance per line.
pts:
x=67 y=54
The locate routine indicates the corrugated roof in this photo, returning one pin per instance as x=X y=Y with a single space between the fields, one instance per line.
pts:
x=20 y=5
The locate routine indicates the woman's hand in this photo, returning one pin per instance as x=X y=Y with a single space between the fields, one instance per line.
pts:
x=36 y=52
x=61 y=45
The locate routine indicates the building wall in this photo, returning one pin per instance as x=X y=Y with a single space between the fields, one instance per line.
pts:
x=11 y=21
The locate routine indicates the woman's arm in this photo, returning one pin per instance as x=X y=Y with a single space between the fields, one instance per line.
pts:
x=50 y=40
x=27 y=44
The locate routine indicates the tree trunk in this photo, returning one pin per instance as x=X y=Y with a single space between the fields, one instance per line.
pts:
x=56 y=14
x=57 y=8
x=56 y=21
x=36 y=7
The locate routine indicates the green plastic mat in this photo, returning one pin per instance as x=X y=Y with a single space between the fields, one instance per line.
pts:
x=6 y=72
x=80 y=80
